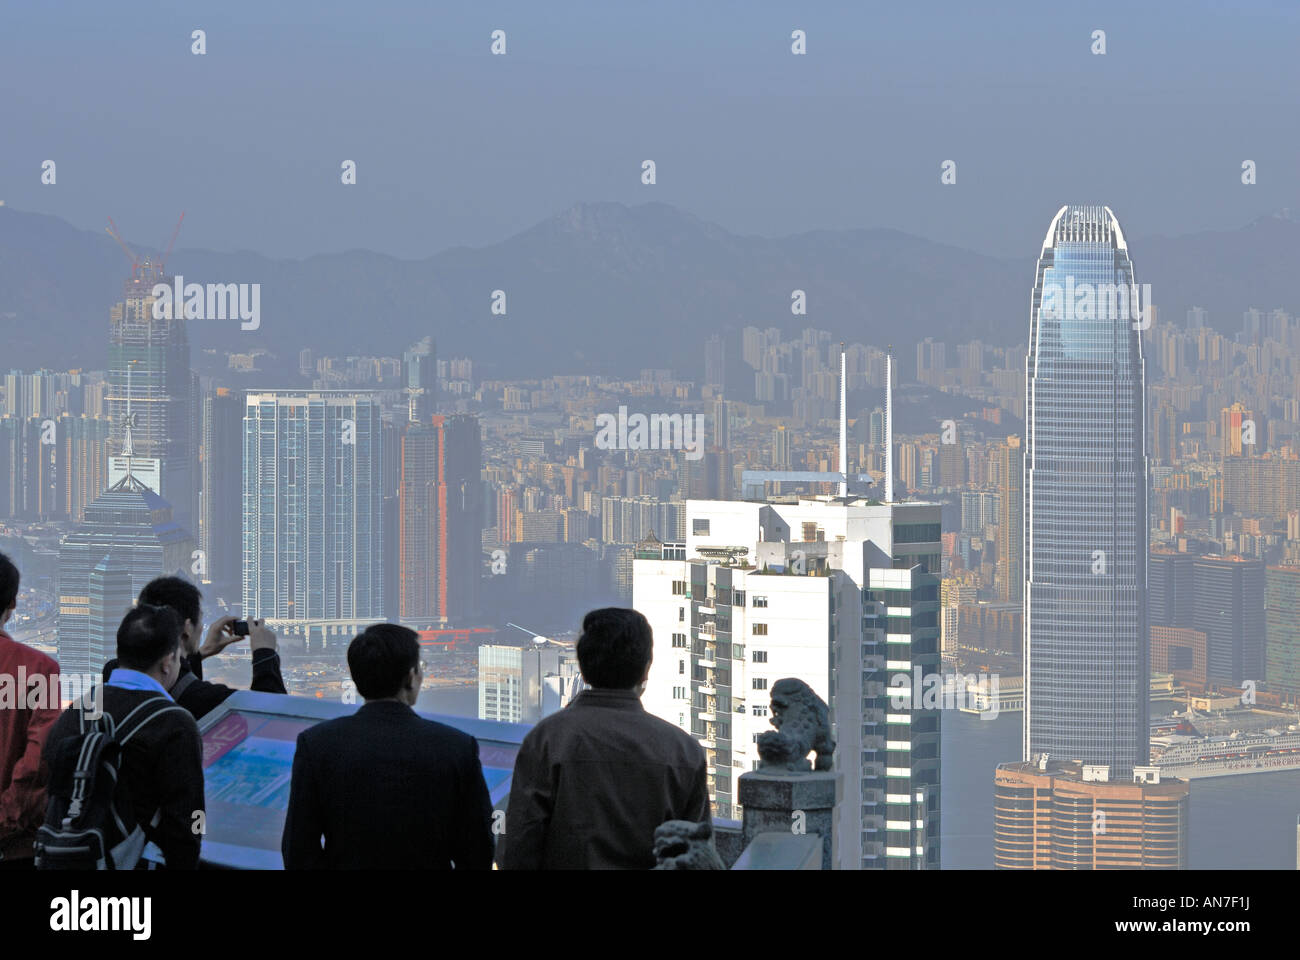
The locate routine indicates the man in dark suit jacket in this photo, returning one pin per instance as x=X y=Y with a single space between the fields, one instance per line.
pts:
x=593 y=781
x=385 y=788
x=200 y=697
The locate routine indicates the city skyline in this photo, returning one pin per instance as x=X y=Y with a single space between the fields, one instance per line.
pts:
x=566 y=492
x=599 y=435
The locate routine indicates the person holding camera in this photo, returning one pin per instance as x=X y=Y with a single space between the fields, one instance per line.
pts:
x=200 y=697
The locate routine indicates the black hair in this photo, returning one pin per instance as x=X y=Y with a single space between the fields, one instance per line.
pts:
x=147 y=634
x=381 y=657
x=615 y=648
x=176 y=593
x=8 y=583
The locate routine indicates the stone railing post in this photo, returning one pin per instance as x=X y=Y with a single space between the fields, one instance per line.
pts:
x=787 y=794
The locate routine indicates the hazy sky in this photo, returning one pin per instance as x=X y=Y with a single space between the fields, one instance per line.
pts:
x=456 y=146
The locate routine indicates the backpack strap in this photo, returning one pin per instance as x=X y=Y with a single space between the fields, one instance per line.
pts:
x=134 y=721
x=183 y=684
x=96 y=736
x=83 y=776
x=103 y=722
x=132 y=724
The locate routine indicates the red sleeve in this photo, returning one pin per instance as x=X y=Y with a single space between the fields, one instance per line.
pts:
x=22 y=805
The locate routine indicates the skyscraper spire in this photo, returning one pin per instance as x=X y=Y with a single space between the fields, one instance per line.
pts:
x=122 y=473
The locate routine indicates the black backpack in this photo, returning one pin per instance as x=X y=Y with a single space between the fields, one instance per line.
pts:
x=89 y=820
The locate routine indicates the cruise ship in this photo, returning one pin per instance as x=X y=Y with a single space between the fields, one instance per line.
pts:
x=1193 y=757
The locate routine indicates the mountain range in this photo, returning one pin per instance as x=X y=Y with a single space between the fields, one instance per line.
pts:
x=605 y=288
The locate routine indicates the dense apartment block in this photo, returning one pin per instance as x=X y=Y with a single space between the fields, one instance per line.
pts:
x=1064 y=815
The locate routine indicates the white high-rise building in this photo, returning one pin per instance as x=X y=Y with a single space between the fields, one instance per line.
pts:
x=524 y=684
x=836 y=592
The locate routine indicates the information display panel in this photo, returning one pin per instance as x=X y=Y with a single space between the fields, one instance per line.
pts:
x=248 y=747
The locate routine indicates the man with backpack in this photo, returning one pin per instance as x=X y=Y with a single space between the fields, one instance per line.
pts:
x=150 y=743
x=200 y=697
x=24 y=723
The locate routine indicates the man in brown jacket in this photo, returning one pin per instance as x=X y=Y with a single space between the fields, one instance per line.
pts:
x=593 y=781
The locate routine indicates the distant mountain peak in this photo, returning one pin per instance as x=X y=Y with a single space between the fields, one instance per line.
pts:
x=593 y=218
x=1285 y=215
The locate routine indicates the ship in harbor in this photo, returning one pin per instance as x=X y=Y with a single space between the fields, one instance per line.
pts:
x=1199 y=746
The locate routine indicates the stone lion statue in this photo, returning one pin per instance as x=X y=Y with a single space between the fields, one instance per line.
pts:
x=802 y=723
x=683 y=845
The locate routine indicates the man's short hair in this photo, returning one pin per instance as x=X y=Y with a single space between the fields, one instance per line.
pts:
x=615 y=648
x=8 y=583
x=381 y=657
x=181 y=595
x=147 y=634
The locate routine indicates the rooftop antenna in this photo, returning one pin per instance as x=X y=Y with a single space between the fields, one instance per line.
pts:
x=889 y=424
x=129 y=481
x=844 y=427
x=128 y=442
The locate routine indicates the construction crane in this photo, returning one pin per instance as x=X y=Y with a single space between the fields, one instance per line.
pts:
x=148 y=268
x=538 y=639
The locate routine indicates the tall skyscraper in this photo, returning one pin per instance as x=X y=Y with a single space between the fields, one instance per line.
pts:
x=30 y=468
x=952 y=463
x=1010 y=574
x=1086 y=639
x=1230 y=612
x=876 y=429
x=715 y=362
x=781 y=457
x=111 y=594
x=952 y=594
x=313 y=511
x=721 y=424
x=1282 y=632
x=133 y=527
x=221 y=512
x=1171 y=593
x=420 y=380
x=149 y=368
x=1165 y=447
x=1240 y=433
x=440 y=505
x=83 y=456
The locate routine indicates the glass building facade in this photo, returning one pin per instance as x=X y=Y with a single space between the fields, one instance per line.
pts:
x=313 y=510
x=1282 y=632
x=128 y=532
x=1086 y=650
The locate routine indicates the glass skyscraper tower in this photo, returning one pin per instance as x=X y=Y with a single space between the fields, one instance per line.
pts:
x=1086 y=644
x=313 y=511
